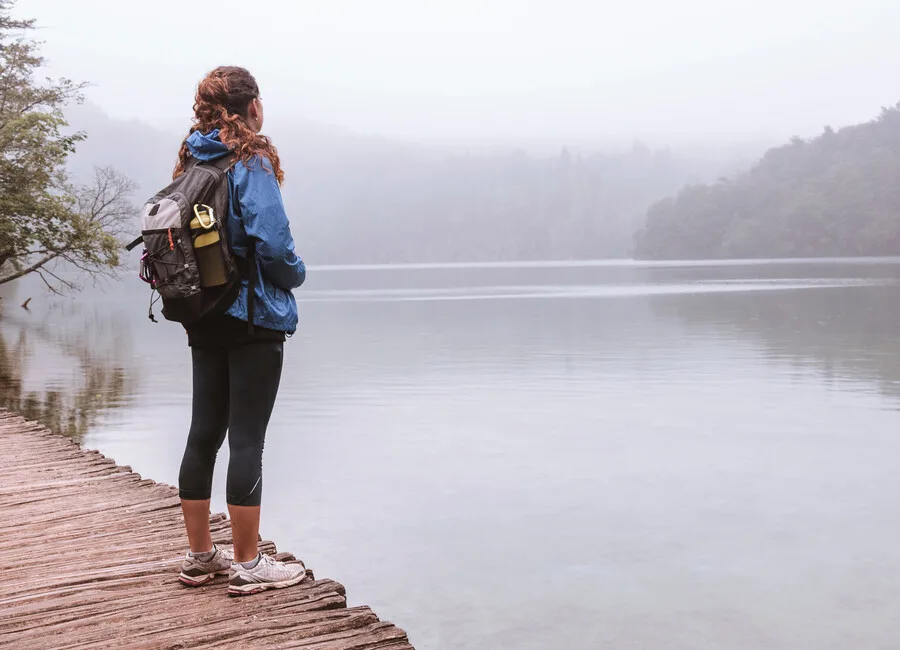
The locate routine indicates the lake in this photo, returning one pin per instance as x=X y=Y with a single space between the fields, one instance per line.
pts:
x=544 y=456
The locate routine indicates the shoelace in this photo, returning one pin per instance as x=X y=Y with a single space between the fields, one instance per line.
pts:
x=271 y=561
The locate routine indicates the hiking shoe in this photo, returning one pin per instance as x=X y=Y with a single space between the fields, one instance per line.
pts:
x=195 y=572
x=267 y=574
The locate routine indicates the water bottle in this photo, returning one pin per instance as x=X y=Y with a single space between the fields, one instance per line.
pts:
x=207 y=247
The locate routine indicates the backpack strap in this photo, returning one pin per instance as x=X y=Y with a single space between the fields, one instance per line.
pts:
x=134 y=244
x=250 y=270
x=223 y=164
x=251 y=285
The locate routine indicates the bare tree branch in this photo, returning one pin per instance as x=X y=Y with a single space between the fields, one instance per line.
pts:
x=68 y=284
x=52 y=289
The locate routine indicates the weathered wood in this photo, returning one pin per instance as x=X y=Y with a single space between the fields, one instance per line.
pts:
x=89 y=558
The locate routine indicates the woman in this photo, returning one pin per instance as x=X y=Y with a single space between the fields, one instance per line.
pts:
x=237 y=368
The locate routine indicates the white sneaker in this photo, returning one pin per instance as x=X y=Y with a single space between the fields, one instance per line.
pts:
x=195 y=573
x=267 y=574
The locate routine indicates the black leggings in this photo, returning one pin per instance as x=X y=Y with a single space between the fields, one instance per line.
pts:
x=234 y=391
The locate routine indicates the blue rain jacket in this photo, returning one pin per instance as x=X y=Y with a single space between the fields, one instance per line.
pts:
x=256 y=211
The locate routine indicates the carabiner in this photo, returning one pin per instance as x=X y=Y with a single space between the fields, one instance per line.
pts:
x=209 y=212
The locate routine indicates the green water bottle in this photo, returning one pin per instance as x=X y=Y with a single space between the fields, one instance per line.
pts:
x=207 y=247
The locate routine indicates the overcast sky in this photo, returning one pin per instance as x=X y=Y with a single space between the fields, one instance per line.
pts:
x=661 y=70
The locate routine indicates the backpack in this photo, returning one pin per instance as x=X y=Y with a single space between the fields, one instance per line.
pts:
x=187 y=260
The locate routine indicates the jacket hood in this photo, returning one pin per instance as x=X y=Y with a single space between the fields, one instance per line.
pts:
x=206 y=146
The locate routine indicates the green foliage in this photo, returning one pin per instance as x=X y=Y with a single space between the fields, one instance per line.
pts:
x=45 y=222
x=833 y=196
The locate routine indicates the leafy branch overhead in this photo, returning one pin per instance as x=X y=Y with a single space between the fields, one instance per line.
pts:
x=46 y=222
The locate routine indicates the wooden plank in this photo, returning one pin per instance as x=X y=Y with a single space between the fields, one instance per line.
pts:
x=109 y=544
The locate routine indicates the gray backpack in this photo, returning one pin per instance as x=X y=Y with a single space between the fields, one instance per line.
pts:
x=187 y=260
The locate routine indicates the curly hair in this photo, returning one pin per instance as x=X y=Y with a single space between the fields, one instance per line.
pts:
x=222 y=101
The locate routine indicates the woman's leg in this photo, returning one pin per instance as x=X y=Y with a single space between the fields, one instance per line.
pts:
x=254 y=373
x=209 y=422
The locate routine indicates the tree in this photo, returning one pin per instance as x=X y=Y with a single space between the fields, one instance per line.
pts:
x=47 y=223
x=834 y=195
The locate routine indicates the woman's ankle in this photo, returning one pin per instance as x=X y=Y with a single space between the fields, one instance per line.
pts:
x=249 y=564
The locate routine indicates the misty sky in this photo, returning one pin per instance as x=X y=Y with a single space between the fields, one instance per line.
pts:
x=698 y=71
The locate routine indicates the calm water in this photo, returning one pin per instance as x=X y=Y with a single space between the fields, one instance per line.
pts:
x=548 y=456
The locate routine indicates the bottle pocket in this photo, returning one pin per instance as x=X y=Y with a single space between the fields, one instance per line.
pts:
x=211 y=258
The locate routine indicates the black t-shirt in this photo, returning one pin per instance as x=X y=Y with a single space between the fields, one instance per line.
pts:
x=227 y=331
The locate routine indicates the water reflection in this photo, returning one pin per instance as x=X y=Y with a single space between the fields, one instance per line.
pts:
x=841 y=333
x=66 y=365
x=680 y=442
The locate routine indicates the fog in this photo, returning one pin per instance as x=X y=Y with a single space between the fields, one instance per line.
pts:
x=696 y=72
x=510 y=130
x=622 y=431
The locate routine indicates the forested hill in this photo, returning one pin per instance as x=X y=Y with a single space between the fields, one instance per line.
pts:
x=835 y=195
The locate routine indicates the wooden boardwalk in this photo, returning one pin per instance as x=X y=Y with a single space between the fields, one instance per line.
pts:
x=89 y=554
